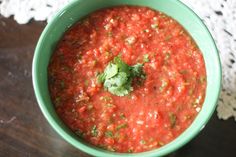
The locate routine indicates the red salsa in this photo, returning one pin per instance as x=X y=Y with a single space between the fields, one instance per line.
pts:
x=158 y=109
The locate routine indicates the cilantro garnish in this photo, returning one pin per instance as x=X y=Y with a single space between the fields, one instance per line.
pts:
x=117 y=76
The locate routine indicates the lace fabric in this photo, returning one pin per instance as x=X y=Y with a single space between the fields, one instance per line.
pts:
x=25 y=10
x=220 y=18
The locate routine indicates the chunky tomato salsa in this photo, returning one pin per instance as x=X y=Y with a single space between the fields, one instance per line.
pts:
x=127 y=79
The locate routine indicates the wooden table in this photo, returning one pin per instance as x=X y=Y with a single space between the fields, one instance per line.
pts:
x=24 y=132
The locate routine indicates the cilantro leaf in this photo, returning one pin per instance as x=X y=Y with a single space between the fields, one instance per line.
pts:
x=118 y=80
x=136 y=71
x=118 y=76
x=122 y=66
x=120 y=91
x=111 y=70
x=101 y=77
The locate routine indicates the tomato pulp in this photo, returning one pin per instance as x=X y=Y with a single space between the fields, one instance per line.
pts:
x=155 y=112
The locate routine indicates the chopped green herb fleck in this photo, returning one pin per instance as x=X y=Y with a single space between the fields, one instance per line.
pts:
x=172 y=118
x=111 y=149
x=130 y=40
x=109 y=105
x=190 y=92
x=181 y=32
x=109 y=34
x=62 y=84
x=168 y=38
x=202 y=79
x=111 y=120
x=108 y=53
x=183 y=72
x=194 y=104
x=167 y=56
x=145 y=58
x=117 y=135
x=151 y=139
x=109 y=134
x=197 y=101
x=163 y=85
x=96 y=73
x=129 y=95
x=102 y=146
x=154 y=26
x=118 y=17
x=94 y=62
x=106 y=98
x=78 y=57
x=79 y=133
x=90 y=107
x=121 y=126
x=96 y=28
x=61 y=57
x=57 y=101
x=85 y=22
x=94 y=131
x=143 y=142
x=86 y=82
x=130 y=151
x=66 y=68
x=160 y=143
x=187 y=117
x=163 y=15
x=122 y=116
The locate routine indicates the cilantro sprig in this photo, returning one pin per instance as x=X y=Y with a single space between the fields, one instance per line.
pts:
x=118 y=76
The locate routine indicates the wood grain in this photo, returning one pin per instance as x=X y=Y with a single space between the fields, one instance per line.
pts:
x=24 y=132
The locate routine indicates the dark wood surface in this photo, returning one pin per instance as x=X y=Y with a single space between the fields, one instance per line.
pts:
x=24 y=132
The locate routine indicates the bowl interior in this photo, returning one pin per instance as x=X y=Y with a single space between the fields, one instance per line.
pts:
x=78 y=9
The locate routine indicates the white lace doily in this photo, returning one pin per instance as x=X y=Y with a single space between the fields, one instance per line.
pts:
x=218 y=15
x=25 y=10
x=220 y=18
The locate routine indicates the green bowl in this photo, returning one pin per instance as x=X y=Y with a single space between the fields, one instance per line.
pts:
x=77 y=9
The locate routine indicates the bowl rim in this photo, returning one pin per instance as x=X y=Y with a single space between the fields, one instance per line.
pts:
x=98 y=152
